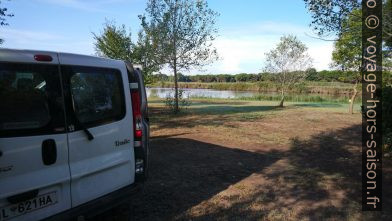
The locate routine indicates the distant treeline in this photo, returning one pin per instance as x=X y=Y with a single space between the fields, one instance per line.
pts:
x=311 y=75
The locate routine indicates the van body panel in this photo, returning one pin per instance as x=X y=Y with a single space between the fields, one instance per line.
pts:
x=98 y=166
x=105 y=163
x=31 y=112
x=29 y=173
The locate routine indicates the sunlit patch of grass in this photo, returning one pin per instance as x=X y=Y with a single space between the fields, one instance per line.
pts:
x=301 y=98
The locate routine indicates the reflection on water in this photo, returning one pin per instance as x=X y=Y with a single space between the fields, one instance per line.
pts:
x=188 y=93
x=210 y=93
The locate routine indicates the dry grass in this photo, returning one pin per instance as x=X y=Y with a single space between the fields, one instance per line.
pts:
x=251 y=161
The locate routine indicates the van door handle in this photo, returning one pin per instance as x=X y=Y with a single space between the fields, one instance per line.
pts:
x=49 y=152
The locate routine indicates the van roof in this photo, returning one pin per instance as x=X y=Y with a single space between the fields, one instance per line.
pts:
x=24 y=52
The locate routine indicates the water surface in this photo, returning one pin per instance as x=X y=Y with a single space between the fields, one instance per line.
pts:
x=227 y=94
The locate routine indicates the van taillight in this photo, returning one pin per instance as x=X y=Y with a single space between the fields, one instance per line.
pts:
x=137 y=115
x=42 y=57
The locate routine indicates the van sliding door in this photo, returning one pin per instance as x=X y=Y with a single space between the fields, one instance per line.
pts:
x=100 y=128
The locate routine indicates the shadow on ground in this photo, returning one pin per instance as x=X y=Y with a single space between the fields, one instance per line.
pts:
x=184 y=172
x=316 y=179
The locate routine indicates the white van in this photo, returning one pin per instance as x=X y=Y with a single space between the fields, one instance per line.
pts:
x=73 y=134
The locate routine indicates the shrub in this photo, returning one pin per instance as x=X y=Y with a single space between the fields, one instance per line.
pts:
x=183 y=101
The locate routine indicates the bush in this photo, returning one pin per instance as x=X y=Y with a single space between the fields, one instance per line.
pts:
x=183 y=101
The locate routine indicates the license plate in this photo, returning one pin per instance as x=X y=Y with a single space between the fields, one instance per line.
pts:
x=39 y=202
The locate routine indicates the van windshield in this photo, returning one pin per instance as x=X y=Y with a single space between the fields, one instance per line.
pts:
x=30 y=98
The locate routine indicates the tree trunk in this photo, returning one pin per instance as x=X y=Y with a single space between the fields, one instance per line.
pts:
x=351 y=107
x=175 y=87
x=281 y=104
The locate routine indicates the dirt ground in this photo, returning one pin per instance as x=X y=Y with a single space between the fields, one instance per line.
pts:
x=252 y=161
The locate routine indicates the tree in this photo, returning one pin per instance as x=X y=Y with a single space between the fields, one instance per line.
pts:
x=3 y=15
x=144 y=54
x=243 y=77
x=114 y=42
x=288 y=61
x=329 y=17
x=347 y=53
x=182 y=32
x=344 y=18
x=311 y=74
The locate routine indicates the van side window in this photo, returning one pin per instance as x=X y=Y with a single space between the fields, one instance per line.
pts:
x=97 y=95
x=31 y=100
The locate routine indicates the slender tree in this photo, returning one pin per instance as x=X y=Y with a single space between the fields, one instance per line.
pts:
x=289 y=61
x=182 y=33
x=347 y=53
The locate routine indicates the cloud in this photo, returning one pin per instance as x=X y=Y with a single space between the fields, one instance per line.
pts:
x=321 y=54
x=243 y=49
x=242 y=53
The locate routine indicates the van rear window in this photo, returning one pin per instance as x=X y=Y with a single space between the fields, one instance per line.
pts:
x=97 y=94
x=31 y=101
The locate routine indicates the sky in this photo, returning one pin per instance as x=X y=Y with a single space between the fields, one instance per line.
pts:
x=247 y=29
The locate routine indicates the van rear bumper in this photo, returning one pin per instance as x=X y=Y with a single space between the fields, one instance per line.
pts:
x=99 y=205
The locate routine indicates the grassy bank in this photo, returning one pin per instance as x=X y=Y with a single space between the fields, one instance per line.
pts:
x=290 y=98
x=332 y=88
x=291 y=101
x=302 y=98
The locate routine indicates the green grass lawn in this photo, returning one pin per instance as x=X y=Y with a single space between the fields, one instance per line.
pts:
x=248 y=106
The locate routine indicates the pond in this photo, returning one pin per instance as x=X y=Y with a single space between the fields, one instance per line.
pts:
x=191 y=92
x=210 y=93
